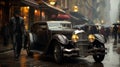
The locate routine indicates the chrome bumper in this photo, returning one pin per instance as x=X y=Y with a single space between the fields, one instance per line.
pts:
x=71 y=52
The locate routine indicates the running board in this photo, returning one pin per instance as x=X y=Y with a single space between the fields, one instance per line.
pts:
x=40 y=52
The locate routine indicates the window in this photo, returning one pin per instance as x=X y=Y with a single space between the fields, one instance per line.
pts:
x=25 y=15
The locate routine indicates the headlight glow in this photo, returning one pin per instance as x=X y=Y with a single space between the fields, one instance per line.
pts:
x=75 y=37
x=91 y=38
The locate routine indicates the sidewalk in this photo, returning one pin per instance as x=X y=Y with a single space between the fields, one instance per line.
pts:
x=117 y=46
x=4 y=48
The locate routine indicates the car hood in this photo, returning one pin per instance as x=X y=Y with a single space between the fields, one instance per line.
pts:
x=67 y=32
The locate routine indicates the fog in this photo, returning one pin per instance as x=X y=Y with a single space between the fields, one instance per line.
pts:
x=114 y=10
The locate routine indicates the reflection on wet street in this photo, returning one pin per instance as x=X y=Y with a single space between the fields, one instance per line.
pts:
x=111 y=60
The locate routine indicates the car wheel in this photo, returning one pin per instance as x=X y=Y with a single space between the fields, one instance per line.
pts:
x=58 y=53
x=29 y=53
x=99 y=57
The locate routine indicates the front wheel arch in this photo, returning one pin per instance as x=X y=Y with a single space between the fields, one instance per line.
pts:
x=60 y=38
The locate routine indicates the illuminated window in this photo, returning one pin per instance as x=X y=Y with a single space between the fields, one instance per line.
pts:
x=25 y=14
x=36 y=15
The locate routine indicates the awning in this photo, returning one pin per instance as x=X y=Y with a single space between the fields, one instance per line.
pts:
x=56 y=8
x=44 y=5
x=31 y=3
x=61 y=16
x=79 y=16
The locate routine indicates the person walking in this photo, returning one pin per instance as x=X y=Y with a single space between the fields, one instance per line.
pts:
x=119 y=33
x=115 y=29
x=17 y=32
x=107 y=33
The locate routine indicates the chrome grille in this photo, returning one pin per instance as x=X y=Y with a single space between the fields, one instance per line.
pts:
x=83 y=50
x=83 y=36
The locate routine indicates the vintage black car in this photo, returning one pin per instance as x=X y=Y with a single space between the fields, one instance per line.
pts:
x=59 y=40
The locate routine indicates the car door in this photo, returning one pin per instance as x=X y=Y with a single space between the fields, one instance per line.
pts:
x=42 y=36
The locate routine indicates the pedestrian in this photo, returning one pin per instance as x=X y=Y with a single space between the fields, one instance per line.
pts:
x=115 y=29
x=102 y=31
x=93 y=30
x=107 y=33
x=119 y=33
x=17 y=32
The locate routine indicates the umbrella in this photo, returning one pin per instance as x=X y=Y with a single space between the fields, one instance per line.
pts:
x=116 y=23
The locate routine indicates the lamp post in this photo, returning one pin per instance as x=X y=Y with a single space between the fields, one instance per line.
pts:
x=52 y=2
x=75 y=8
x=118 y=21
x=102 y=22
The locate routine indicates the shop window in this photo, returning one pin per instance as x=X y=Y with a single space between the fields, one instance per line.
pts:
x=25 y=15
x=36 y=15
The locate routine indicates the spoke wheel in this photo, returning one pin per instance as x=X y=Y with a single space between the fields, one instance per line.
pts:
x=58 y=53
x=99 y=57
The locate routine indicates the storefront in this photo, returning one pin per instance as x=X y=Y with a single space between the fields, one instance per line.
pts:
x=31 y=10
x=7 y=10
x=41 y=11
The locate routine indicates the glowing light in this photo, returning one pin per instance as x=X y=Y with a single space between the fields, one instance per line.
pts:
x=27 y=7
x=118 y=21
x=52 y=2
x=75 y=8
x=24 y=17
x=102 y=21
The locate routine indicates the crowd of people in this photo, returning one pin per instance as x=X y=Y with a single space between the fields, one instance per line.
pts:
x=113 y=32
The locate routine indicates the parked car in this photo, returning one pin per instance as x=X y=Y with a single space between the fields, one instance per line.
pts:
x=59 y=40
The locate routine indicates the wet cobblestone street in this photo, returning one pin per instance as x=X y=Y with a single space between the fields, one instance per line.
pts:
x=111 y=60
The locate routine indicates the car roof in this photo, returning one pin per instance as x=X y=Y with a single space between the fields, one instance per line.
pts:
x=37 y=22
x=58 y=22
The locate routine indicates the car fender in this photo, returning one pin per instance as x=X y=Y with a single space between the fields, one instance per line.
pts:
x=61 y=38
x=32 y=37
x=100 y=38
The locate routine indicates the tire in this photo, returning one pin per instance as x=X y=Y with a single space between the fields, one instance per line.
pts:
x=57 y=53
x=99 y=57
x=29 y=53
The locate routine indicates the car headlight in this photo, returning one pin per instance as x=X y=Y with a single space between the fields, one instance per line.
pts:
x=91 y=38
x=75 y=38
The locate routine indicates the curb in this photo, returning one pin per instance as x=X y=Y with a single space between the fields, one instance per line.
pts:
x=2 y=51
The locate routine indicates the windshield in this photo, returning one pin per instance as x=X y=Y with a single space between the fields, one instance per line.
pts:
x=54 y=26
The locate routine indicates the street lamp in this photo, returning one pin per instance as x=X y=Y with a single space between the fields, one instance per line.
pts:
x=102 y=22
x=118 y=21
x=75 y=8
x=52 y=2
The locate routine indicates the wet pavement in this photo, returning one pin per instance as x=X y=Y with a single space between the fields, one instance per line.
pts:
x=112 y=59
x=4 y=48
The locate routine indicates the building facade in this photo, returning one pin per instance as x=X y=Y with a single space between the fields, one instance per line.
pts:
x=96 y=11
x=31 y=10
